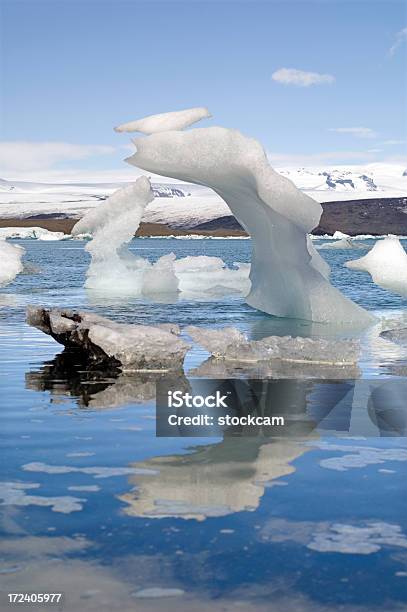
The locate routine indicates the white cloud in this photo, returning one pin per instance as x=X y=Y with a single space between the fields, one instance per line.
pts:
x=28 y=156
x=398 y=41
x=359 y=132
x=292 y=76
x=394 y=142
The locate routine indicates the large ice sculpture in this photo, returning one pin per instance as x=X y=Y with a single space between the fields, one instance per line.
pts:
x=386 y=263
x=287 y=278
x=10 y=261
x=115 y=269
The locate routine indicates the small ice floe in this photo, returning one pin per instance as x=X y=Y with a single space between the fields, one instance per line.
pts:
x=32 y=233
x=14 y=494
x=398 y=335
x=230 y=344
x=163 y=122
x=105 y=342
x=342 y=244
x=10 y=261
x=386 y=263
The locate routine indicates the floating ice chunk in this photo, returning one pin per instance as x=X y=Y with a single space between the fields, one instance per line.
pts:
x=33 y=233
x=163 y=122
x=398 y=336
x=230 y=344
x=53 y=236
x=339 y=235
x=386 y=263
x=115 y=269
x=286 y=278
x=342 y=244
x=10 y=261
x=210 y=275
x=134 y=347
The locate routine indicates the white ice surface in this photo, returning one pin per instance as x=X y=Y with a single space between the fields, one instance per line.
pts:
x=176 y=120
x=386 y=263
x=286 y=276
x=230 y=344
x=10 y=261
x=21 y=198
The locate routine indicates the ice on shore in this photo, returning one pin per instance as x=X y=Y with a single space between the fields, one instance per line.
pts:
x=287 y=279
x=105 y=342
x=163 y=122
x=386 y=263
x=10 y=262
x=115 y=269
x=230 y=344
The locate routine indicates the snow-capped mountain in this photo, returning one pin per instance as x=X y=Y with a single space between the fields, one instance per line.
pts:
x=180 y=204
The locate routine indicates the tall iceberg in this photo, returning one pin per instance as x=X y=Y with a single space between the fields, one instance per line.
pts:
x=288 y=277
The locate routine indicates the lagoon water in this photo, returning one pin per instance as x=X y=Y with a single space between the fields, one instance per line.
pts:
x=95 y=506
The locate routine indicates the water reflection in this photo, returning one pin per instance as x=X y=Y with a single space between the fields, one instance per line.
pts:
x=213 y=480
x=69 y=374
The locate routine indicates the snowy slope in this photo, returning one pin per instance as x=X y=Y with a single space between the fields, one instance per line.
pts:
x=181 y=204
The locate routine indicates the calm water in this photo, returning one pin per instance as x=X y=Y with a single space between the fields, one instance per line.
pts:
x=95 y=506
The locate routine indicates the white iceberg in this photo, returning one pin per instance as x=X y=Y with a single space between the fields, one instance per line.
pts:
x=342 y=244
x=286 y=278
x=386 y=263
x=33 y=233
x=107 y=343
x=10 y=261
x=230 y=344
x=163 y=122
x=115 y=269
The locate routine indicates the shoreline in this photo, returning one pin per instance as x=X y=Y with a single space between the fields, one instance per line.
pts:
x=145 y=229
x=375 y=217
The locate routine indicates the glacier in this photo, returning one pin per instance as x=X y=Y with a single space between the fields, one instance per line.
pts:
x=287 y=280
x=386 y=263
x=11 y=262
x=114 y=269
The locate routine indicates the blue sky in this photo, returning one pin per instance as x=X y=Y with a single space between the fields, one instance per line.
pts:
x=71 y=70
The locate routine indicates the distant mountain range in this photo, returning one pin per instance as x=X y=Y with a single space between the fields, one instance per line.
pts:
x=182 y=205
